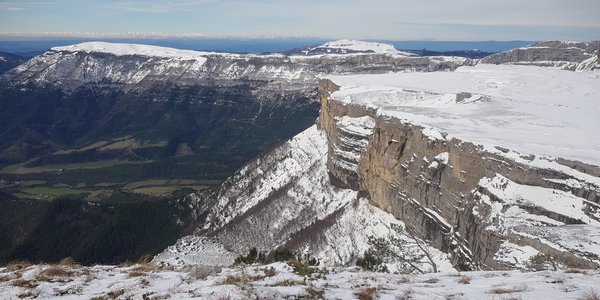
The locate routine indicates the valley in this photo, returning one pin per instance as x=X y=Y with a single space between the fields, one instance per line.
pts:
x=348 y=153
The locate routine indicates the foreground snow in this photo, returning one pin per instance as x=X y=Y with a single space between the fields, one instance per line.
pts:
x=279 y=281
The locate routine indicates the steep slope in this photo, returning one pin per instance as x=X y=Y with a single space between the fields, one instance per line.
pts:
x=9 y=61
x=285 y=200
x=557 y=54
x=496 y=166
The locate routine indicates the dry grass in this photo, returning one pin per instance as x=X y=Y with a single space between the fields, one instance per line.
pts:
x=366 y=293
x=28 y=295
x=145 y=259
x=54 y=273
x=313 y=293
x=407 y=294
x=288 y=282
x=143 y=269
x=591 y=295
x=23 y=283
x=17 y=265
x=270 y=272
x=69 y=262
x=110 y=295
x=509 y=290
x=464 y=279
x=404 y=279
x=236 y=280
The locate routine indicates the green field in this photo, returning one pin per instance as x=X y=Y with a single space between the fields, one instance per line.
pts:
x=48 y=191
x=21 y=169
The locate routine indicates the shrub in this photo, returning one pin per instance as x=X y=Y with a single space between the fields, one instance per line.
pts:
x=370 y=262
x=282 y=255
x=253 y=257
x=305 y=269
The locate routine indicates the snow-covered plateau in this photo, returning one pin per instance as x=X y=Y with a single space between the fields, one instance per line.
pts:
x=531 y=110
x=281 y=281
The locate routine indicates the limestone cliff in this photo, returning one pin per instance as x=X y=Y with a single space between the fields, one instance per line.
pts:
x=459 y=195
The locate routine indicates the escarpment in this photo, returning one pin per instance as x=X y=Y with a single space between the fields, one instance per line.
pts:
x=476 y=203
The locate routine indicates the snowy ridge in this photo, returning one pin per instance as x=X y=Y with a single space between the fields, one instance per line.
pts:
x=120 y=49
x=136 y=65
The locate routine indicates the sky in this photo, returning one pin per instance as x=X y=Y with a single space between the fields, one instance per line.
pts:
x=445 y=20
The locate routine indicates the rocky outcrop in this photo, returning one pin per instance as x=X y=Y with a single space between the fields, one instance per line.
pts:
x=558 y=54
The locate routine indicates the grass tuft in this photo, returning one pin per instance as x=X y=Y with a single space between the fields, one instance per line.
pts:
x=366 y=293
x=591 y=295
x=17 y=265
x=54 y=274
x=464 y=279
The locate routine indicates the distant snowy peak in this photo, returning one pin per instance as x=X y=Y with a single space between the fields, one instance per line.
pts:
x=120 y=49
x=355 y=46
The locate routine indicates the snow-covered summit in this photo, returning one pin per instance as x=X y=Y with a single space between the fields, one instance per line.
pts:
x=352 y=46
x=121 y=49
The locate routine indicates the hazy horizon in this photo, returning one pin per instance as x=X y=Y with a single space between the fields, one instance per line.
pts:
x=461 y=20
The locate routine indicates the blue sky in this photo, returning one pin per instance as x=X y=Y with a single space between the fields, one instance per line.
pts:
x=375 y=19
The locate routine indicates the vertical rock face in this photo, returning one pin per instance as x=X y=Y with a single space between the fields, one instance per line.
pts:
x=484 y=207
